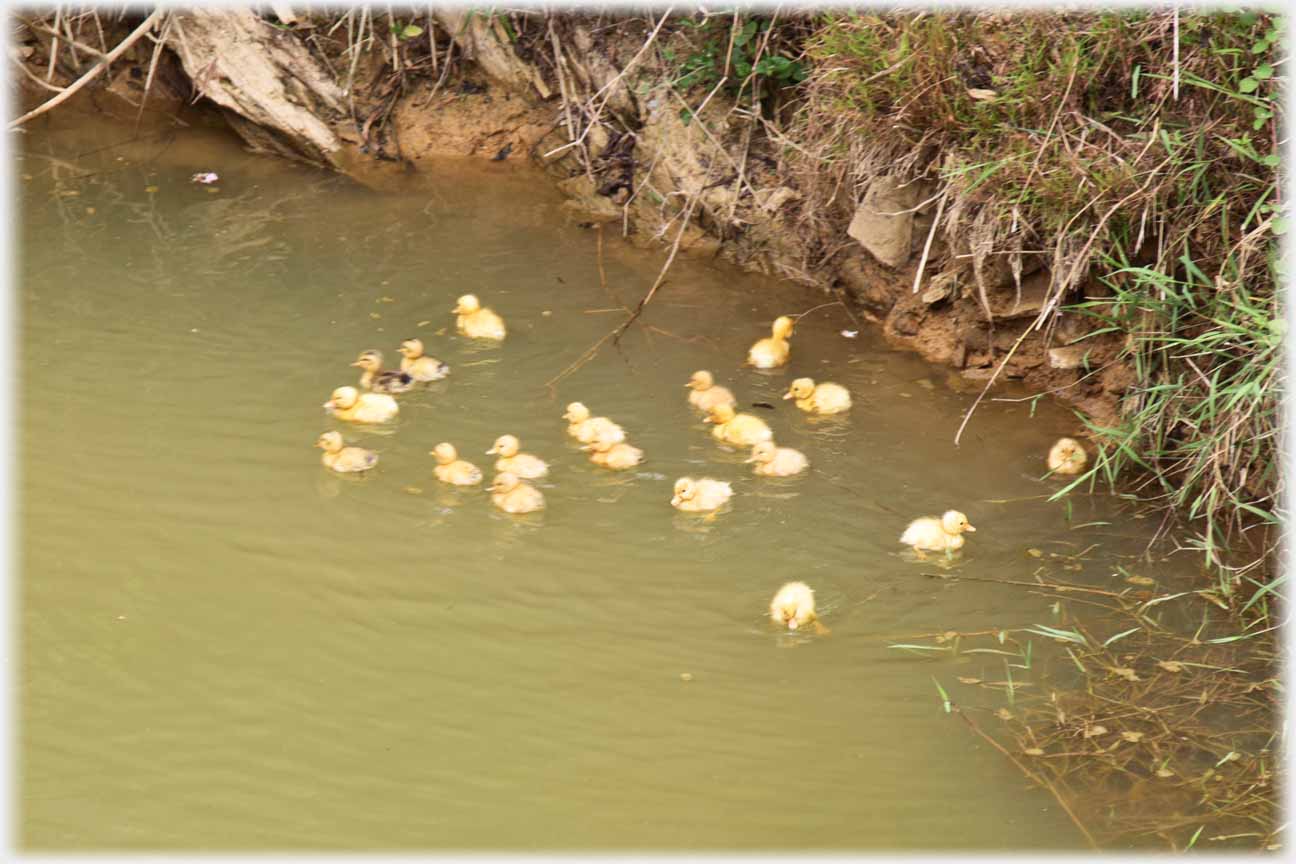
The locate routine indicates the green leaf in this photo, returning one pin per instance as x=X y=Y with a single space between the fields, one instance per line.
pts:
x=745 y=34
x=1260 y=47
x=1264 y=72
x=1138 y=71
x=1279 y=226
x=1271 y=161
x=1248 y=85
x=409 y=31
x=944 y=696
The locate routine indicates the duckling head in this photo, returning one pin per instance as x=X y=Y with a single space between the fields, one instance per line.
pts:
x=1067 y=449
x=467 y=304
x=794 y=604
x=700 y=380
x=783 y=326
x=343 y=398
x=721 y=413
x=506 y=446
x=576 y=413
x=504 y=482
x=763 y=452
x=411 y=348
x=370 y=361
x=954 y=522
x=685 y=489
x=802 y=388
x=445 y=453
x=330 y=442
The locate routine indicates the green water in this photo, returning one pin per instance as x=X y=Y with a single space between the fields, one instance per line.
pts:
x=225 y=646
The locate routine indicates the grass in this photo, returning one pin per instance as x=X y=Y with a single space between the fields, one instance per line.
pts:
x=1137 y=152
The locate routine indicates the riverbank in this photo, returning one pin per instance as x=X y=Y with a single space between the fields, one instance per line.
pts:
x=687 y=134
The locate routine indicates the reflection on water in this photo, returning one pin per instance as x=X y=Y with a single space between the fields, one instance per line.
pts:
x=227 y=647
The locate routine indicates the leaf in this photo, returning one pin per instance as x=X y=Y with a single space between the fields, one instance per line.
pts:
x=982 y=95
x=1272 y=160
x=1248 y=85
x=944 y=696
x=409 y=31
x=1279 y=226
x=946 y=636
x=1132 y=737
x=1120 y=636
x=1033 y=751
x=964 y=680
x=1095 y=730
x=1263 y=72
x=1170 y=665
x=1164 y=773
x=1004 y=714
x=1140 y=580
x=1261 y=46
x=1035 y=553
x=1125 y=672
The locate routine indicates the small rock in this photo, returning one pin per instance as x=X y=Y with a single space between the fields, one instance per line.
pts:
x=880 y=226
x=1068 y=356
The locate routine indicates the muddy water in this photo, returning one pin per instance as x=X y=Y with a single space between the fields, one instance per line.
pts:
x=224 y=646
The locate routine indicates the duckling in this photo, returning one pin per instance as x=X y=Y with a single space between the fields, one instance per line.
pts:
x=347 y=403
x=512 y=462
x=773 y=351
x=613 y=454
x=700 y=495
x=1067 y=457
x=513 y=496
x=451 y=469
x=825 y=398
x=774 y=461
x=378 y=379
x=706 y=392
x=477 y=322
x=585 y=428
x=936 y=535
x=418 y=365
x=344 y=459
x=793 y=606
x=741 y=429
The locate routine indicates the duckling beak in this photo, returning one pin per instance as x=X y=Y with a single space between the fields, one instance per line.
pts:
x=970 y=528
x=675 y=501
x=328 y=404
x=749 y=461
x=357 y=363
x=788 y=395
x=707 y=420
x=792 y=624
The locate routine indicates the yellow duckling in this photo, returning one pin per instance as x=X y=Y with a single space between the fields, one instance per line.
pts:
x=700 y=495
x=937 y=535
x=793 y=606
x=614 y=454
x=825 y=398
x=706 y=393
x=477 y=322
x=774 y=461
x=418 y=365
x=742 y=429
x=348 y=403
x=451 y=469
x=586 y=429
x=513 y=496
x=344 y=459
x=513 y=462
x=378 y=379
x=1067 y=457
x=773 y=351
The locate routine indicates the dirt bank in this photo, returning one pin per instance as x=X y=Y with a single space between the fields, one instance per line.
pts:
x=645 y=155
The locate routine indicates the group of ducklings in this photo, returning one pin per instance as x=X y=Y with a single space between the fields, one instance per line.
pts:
x=793 y=605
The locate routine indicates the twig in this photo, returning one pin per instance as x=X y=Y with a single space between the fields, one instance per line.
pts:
x=1033 y=776
x=85 y=79
x=931 y=233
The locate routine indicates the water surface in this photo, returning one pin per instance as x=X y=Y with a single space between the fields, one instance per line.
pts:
x=225 y=646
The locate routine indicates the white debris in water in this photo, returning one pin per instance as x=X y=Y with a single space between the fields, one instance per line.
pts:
x=850 y=334
x=206 y=177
